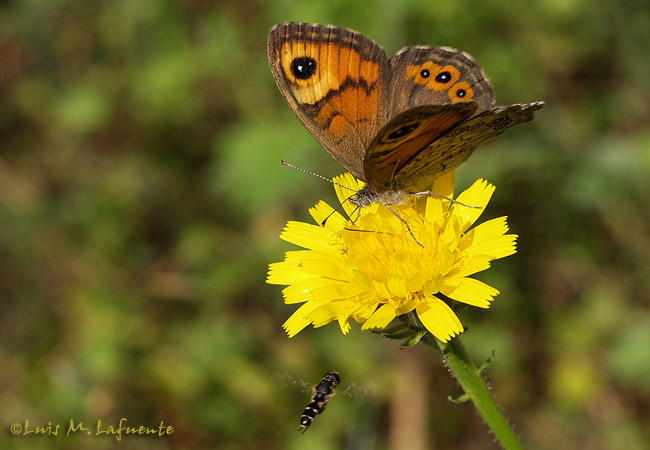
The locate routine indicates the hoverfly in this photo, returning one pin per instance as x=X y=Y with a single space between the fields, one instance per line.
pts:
x=321 y=395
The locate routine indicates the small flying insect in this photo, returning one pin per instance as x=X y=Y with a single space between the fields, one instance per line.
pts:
x=322 y=393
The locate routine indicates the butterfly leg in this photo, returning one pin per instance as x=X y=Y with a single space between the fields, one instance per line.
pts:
x=358 y=210
x=405 y=223
x=425 y=193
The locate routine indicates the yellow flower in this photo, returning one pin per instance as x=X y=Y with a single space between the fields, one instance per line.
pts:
x=373 y=270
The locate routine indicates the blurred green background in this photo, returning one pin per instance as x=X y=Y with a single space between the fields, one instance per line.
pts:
x=141 y=198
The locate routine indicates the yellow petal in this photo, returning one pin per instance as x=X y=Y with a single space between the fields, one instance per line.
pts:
x=343 y=194
x=344 y=324
x=306 y=235
x=472 y=292
x=472 y=265
x=477 y=195
x=397 y=286
x=416 y=282
x=362 y=311
x=433 y=285
x=406 y=306
x=324 y=265
x=336 y=291
x=322 y=316
x=328 y=312
x=489 y=238
x=433 y=213
x=445 y=261
x=289 y=270
x=444 y=185
x=361 y=279
x=283 y=273
x=439 y=319
x=301 y=291
x=380 y=318
x=325 y=216
x=298 y=320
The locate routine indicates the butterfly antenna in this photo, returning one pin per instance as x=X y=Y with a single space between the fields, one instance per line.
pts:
x=326 y=179
x=316 y=175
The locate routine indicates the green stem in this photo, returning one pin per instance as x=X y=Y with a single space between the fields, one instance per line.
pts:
x=470 y=379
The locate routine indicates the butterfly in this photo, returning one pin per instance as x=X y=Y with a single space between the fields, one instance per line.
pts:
x=397 y=124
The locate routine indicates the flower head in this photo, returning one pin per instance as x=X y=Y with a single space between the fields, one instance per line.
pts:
x=372 y=270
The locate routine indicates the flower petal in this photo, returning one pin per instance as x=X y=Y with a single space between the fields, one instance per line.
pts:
x=433 y=213
x=301 y=291
x=397 y=286
x=323 y=265
x=306 y=235
x=444 y=185
x=490 y=238
x=328 y=312
x=298 y=320
x=343 y=194
x=477 y=195
x=344 y=324
x=380 y=318
x=325 y=216
x=439 y=319
x=336 y=291
x=288 y=271
x=472 y=292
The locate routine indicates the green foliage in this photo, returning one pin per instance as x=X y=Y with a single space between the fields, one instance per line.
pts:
x=141 y=197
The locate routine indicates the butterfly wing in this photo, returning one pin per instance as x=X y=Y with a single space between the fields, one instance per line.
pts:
x=335 y=81
x=405 y=137
x=436 y=75
x=455 y=146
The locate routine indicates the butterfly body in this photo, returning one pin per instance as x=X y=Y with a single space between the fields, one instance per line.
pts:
x=367 y=195
x=398 y=123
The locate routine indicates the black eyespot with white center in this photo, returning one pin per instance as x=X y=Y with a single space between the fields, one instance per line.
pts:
x=303 y=68
x=460 y=93
x=424 y=73
x=400 y=132
x=443 y=77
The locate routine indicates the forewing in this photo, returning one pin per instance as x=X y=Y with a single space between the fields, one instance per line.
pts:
x=335 y=81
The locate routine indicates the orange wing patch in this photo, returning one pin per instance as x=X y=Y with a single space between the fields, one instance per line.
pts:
x=461 y=92
x=335 y=84
x=444 y=78
x=334 y=66
x=439 y=78
x=421 y=74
